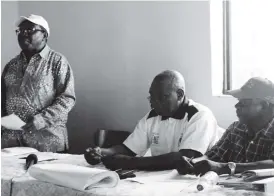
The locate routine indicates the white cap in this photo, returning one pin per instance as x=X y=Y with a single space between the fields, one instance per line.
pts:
x=39 y=20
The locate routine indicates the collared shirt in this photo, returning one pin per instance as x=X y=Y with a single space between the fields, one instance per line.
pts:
x=40 y=92
x=192 y=127
x=239 y=145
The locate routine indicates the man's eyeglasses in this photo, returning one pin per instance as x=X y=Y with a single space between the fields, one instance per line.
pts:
x=27 y=31
x=159 y=100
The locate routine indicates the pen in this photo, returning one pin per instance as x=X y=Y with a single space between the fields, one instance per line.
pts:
x=128 y=172
x=97 y=154
x=191 y=159
x=117 y=170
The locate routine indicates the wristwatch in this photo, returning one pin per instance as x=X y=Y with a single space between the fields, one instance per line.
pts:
x=232 y=167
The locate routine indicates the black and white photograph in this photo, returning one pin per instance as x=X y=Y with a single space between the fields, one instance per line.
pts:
x=137 y=98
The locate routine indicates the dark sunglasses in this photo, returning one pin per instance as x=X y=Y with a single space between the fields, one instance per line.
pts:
x=27 y=31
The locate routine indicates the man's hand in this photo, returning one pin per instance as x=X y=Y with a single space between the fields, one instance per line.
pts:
x=92 y=155
x=205 y=165
x=29 y=127
x=118 y=161
x=184 y=166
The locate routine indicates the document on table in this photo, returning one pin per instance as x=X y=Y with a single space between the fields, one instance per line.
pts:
x=168 y=182
x=164 y=176
x=15 y=151
x=12 y=122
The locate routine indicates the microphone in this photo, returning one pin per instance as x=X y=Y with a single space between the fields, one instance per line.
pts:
x=31 y=160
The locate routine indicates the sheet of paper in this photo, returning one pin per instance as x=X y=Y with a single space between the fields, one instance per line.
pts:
x=44 y=157
x=15 y=151
x=12 y=122
x=166 y=176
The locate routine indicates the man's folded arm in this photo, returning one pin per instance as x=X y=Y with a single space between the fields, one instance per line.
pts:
x=160 y=162
x=264 y=164
x=164 y=161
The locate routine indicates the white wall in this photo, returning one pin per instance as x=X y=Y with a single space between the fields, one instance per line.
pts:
x=9 y=46
x=115 y=50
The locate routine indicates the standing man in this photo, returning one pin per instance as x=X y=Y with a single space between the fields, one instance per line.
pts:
x=248 y=143
x=38 y=87
x=176 y=126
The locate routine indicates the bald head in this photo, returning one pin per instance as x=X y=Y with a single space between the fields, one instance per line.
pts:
x=167 y=92
x=171 y=77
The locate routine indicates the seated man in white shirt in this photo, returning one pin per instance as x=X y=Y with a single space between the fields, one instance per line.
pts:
x=176 y=128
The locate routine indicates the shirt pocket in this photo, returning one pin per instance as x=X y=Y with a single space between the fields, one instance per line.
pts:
x=238 y=152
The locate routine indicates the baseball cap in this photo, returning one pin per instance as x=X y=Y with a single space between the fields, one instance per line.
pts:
x=36 y=19
x=255 y=88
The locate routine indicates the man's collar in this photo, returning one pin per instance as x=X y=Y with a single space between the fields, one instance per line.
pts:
x=267 y=131
x=179 y=114
x=43 y=53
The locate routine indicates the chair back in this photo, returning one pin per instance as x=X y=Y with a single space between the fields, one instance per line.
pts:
x=107 y=138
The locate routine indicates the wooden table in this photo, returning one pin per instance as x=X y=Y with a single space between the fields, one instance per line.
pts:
x=17 y=182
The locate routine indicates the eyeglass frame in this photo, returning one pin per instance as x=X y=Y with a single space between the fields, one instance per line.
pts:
x=164 y=99
x=28 y=31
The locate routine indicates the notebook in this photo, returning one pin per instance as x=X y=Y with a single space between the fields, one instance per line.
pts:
x=74 y=176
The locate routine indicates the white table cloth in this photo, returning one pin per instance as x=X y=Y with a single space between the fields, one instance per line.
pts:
x=17 y=182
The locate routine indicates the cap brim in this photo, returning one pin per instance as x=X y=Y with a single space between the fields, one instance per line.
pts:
x=238 y=93
x=22 y=19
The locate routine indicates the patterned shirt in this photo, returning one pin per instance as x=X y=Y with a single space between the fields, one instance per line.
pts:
x=238 y=144
x=41 y=93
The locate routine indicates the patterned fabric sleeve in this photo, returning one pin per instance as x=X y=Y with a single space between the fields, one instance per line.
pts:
x=3 y=92
x=219 y=151
x=64 y=101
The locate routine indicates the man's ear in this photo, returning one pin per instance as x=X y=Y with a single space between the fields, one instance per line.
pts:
x=180 y=94
x=46 y=35
x=266 y=107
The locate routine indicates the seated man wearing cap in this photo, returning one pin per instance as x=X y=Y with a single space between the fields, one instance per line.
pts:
x=175 y=127
x=38 y=87
x=248 y=143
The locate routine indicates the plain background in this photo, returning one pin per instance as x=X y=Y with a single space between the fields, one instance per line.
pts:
x=115 y=49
